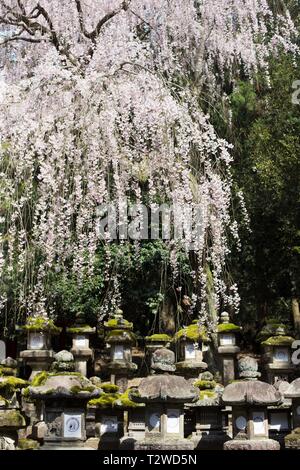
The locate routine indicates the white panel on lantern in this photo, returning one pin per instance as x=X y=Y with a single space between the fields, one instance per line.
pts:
x=36 y=341
x=80 y=341
x=259 y=423
x=2 y=350
x=154 y=421
x=119 y=351
x=226 y=339
x=279 y=422
x=109 y=424
x=73 y=425
x=281 y=355
x=173 y=422
x=190 y=352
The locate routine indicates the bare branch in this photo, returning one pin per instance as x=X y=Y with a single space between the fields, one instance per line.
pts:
x=95 y=33
x=19 y=38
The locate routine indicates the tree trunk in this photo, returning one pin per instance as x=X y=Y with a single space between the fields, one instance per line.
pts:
x=296 y=314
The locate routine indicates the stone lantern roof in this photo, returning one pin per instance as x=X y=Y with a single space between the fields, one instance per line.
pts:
x=164 y=389
x=225 y=326
x=293 y=391
x=62 y=385
x=118 y=322
x=252 y=392
x=194 y=332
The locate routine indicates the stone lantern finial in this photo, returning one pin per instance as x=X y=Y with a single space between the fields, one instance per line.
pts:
x=224 y=317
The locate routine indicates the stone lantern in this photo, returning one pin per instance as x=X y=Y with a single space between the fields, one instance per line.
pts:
x=61 y=399
x=39 y=355
x=228 y=348
x=210 y=420
x=154 y=342
x=120 y=338
x=11 y=419
x=191 y=343
x=164 y=396
x=250 y=400
x=277 y=356
x=292 y=441
x=81 y=345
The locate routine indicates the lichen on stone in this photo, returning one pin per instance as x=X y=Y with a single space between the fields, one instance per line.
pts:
x=83 y=329
x=125 y=402
x=12 y=384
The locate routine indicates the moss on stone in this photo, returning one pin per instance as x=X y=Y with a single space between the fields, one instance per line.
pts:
x=41 y=324
x=7 y=371
x=81 y=329
x=109 y=388
x=39 y=379
x=158 y=337
x=205 y=384
x=117 y=323
x=294 y=436
x=207 y=394
x=76 y=389
x=28 y=444
x=122 y=336
x=228 y=328
x=278 y=341
x=125 y=402
x=11 y=419
x=105 y=401
x=11 y=384
x=193 y=332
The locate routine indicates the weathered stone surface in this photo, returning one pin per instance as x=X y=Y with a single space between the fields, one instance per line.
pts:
x=11 y=419
x=92 y=443
x=259 y=444
x=9 y=362
x=6 y=443
x=39 y=430
x=63 y=356
x=163 y=360
x=65 y=386
x=293 y=391
x=164 y=444
x=251 y=392
x=248 y=367
x=162 y=388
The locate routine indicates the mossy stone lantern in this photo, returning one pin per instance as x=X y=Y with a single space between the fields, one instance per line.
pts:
x=39 y=355
x=250 y=400
x=11 y=419
x=108 y=418
x=81 y=344
x=277 y=354
x=164 y=396
x=292 y=441
x=191 y=342
x=209 y=419
x=120 y=338
x=156 y=341
x=61 y=400
x=228 y=349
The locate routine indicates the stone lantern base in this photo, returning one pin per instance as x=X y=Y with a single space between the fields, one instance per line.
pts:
x=255 y=444
x=164 y=444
